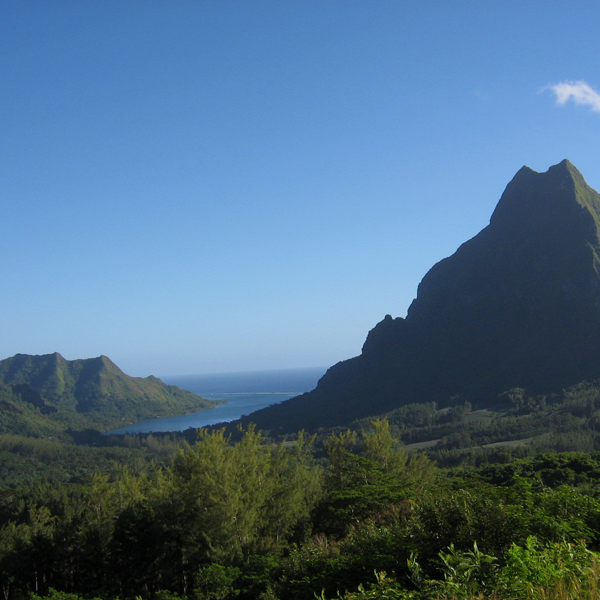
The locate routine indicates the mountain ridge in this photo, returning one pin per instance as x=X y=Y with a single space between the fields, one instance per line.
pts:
x=90 y=392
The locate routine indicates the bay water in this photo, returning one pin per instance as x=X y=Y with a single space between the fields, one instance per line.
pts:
x=240 y=393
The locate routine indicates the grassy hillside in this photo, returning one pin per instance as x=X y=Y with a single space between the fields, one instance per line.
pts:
x=516 y=425
x=41 y=395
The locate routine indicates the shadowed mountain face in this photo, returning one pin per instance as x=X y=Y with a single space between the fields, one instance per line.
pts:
x=518 y=305
x=91 y=392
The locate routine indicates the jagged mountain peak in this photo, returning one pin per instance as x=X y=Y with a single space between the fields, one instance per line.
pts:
x=553 y=195
x=518 y=305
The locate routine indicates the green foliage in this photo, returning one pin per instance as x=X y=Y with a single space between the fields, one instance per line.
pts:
x=466 y=573
x=561 y=570
x=239 y=498
x=257 y=521
x=216 y=582
x=361 y=487
x=384 y=588
x=519 y=425
x=55 y=595
x=533 y=568
x=26 y=461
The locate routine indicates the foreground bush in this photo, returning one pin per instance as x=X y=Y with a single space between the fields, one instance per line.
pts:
x=556 y=571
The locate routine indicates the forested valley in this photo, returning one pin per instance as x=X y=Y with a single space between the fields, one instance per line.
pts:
x=422 y=503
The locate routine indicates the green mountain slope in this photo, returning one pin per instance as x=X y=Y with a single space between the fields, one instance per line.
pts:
x=516 y=306
x=48 y=393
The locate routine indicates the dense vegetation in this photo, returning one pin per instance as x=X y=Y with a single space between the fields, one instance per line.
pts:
x=515 y=425
x=425 y=502
x=256 y=520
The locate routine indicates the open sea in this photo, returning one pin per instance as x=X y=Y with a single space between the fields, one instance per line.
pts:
x=242 y=394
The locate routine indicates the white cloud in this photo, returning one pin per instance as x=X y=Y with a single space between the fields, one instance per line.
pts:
x=578 y=91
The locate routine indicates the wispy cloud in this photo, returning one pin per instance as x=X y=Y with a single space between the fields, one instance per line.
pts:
x=578 y=91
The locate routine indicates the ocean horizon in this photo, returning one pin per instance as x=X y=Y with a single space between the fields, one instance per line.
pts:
x=241 y=394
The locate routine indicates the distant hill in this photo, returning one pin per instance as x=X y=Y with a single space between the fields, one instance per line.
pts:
x=44 y=394
x=518 y=305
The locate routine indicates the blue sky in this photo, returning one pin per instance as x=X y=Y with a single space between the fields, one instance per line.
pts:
x=211 y=186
